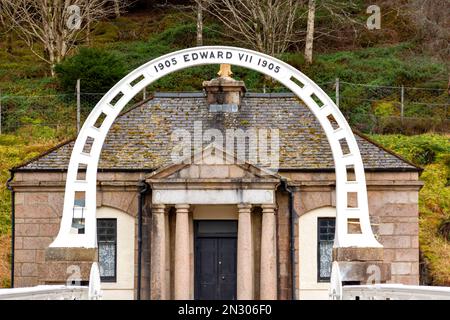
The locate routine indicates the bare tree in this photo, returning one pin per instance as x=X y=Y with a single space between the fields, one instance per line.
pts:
x=338 y=11
x=310 y=31
x=117 y=8
x=433 y=25
x=199 y=23
x=5 y=29
x=264 y=25
x=271 y=26
x=191 y=9
x=56 y=25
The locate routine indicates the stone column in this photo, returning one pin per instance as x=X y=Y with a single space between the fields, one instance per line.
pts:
x=268 y=284
x=168 y=254
x=245 y=254
x=182 y=245
x=158 y=252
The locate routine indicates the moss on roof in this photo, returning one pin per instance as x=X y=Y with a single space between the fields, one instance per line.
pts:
x=141 y=138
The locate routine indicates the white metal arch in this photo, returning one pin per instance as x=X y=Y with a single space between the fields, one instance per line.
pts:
x=109 y=107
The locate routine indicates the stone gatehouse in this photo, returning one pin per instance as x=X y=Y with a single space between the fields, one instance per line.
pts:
x=212 y=229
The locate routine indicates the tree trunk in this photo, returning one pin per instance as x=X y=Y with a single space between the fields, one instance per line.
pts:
x=52 y=59
x=310 y=31
x=9 y=46
x=117 y=8
x=88 y=30
x=52 y=70
x=199 y=24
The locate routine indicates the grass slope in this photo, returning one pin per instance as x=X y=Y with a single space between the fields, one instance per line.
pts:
x=433 y=153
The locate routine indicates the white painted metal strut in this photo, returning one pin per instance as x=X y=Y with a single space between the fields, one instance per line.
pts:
x=315 y=98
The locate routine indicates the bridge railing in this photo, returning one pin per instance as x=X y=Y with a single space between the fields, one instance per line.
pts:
x=338 y=291
x=46 y=292
x=394 y=292
x=58 y=292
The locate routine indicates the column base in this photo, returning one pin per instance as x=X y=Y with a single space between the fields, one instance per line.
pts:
x=71 y=254
x=369 y=272
x=362 y=265
x=358 y=254
x=63 y=265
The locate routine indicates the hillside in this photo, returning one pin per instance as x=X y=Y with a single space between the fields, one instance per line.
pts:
x=432 y=152
x=38 y=112
x=370 y=76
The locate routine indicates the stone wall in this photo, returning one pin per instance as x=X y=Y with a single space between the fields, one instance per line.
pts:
x=393 y=208
x=39 y=205
x=398 y=231
x=36 y=224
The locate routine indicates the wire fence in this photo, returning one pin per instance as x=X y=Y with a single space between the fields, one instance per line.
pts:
x=369 y=108
x=392 y=109
x=49 y=115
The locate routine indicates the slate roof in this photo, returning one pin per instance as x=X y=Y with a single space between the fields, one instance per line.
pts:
x=140 y=138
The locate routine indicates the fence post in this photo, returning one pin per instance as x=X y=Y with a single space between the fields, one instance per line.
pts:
x=78 y=106
x=402 y=101
x=144 y=93
x=337 y=92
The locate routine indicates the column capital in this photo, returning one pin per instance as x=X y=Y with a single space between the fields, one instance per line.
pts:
x=268 y=208
x=182 y=208
x=244 y=207
x=158 y=208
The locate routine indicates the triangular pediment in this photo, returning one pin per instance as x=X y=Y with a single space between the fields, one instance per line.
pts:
x=212 y=163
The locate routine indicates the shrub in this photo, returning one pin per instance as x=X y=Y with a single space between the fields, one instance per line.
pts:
x=5 y=283
x=444 y=229
x=434 y=197
x=98 y=70
x=385 y=108
x=409 y=126
x=106 y=32
x=421 y=149
x=294 y=59
x=37 y=132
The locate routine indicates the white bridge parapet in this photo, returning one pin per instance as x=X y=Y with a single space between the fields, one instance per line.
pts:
x=58 y=292
x=46 y=292
x=338 y=291
x=395 y=292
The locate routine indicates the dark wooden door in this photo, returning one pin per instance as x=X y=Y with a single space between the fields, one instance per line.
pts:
x=215 y=260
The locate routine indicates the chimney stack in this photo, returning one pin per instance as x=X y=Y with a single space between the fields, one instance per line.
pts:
x=224 y=93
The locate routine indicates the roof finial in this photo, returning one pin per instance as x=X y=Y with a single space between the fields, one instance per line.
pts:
x=225 y=71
